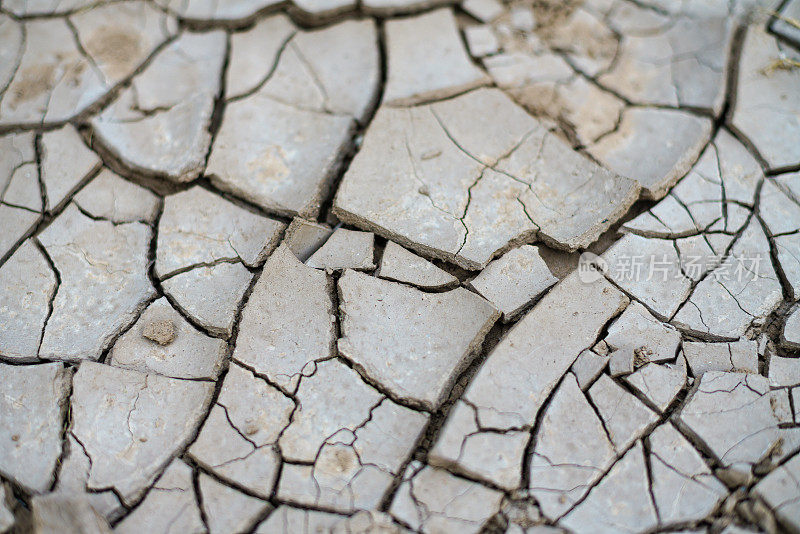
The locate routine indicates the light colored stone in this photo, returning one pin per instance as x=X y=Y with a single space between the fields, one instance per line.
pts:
x=160 y=125
x=170 y=505
x=730 y=413
x=432 y=500
x=789 y=445
x=304 y=237
x=277 y=156
x=228 y=510
x=289 y=520
x=581 y=33
x=345 y=249
x=765 y=111
x=683 y=64
x=332 y=385
x=29 y=284
x=315 y=11
x=23 y=8
x=181 y=352
x=740 y=356
x=18 y=223
x=700 y=254
x=777 y=209
x=210 y=295
x=427 y=60
x=366 y=522
x=519 y=374
x=110 y=197
x=545 y=84
x=131 y=424
x=55 y=513
x=621 y=362
x=476 y=451
x=516 y=70
x=323 y=80
x=413 y=343
x=402 y=265
x=788 y=251
x=20 y=188
x=288 y=322
x=483 y=10
x=522 y=19
x=621 y=502
x=790 y=337
x=682 y=484
x=795 y=394
x=742 y=290
x=781 y=406
x=785 y=24
x=104 y=284
x=783 y=371
x=200 y=228
x=650 y=270
x=354 y=469
x=572 y=451
x=254 y=53
x=335 y=70
x=238 y=437
x=19 y=176
x=782 y=493
x=66 y=162
x=462 y=188
x=481 y=41
x=638 y=331
x=625 y=417
x=286 y=519
x=468 y=448
x=231 y=12
x=660 y=384
x=32 y=402
x=399 y=7
x=51 y=79
x=120 y=37
x=6 y=513
x=640 y=132
x=587 y=368
x=73 y=476
x=515 y=280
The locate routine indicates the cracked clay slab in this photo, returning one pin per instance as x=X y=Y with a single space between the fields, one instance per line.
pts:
x=103 y=272
x=412 y=343
x=29 y=284
x=354 y=469
x=432 y=500
x=62 y=67
x=466 y=178
x=160 y=124
x=288 y=322
x=519 y=374
x=237 y=440
x=31 y=402
x=130 y=423
x=731 y=414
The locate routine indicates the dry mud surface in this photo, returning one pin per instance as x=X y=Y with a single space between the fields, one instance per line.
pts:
x=518 y=266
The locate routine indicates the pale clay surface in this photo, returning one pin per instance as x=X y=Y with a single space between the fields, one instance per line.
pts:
x=390 y=266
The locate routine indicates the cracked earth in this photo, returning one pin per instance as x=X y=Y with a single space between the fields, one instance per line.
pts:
x=518 y=266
